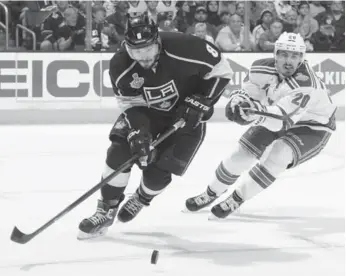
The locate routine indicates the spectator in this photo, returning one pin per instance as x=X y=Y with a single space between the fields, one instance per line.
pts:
x=212 y=10
x=117 y=22
x=267 y=40
x=201 y=16
x=201 y=32
x=305 y=30
x=336 y=13
x=305 y=17
x=67 y=32
x=165 y=22
x=225 y=17
x=110 y=6
x=227 y=6
x=326 y=39
x=264 y=24
x=282 y=8
x=231 y=37
x=152 y=10
x=60 y=34
x=183 y=20
x=316 y=8
x=101 y=29
x=240 y=10
x=295 y=4
x=257 y=9
x=290 y=22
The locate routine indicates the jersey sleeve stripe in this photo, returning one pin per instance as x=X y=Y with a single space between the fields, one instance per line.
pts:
x=295 y=83
x=214 y=88
x=124 y=73
x=189 y=60
x=312 y=76
x=291 y=84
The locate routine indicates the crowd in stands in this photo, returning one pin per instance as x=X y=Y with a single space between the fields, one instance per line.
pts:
x=61 y=25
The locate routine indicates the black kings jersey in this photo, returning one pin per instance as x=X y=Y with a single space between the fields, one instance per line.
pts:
x=187 y=65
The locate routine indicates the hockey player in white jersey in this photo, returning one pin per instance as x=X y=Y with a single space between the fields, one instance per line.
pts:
x=286 y=86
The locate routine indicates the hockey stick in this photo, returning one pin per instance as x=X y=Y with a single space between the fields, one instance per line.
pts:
x=19 y=237
x=266 y=114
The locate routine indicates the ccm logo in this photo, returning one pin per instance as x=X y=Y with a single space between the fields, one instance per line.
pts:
x=197 y=104
x=132 y=133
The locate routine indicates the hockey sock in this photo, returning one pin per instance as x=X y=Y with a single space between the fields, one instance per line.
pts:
x=148 y=193
x=223 y=179
x=258 y=179
x=229 y=170
x=116 y=186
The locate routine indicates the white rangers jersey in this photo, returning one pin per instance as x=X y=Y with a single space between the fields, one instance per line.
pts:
x=303 y=96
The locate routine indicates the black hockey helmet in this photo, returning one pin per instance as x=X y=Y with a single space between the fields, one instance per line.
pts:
x=140 y=31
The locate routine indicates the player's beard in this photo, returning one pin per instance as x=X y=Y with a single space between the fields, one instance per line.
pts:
x=147 y=63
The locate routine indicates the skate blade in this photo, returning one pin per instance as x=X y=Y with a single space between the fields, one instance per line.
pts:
x=212 y=217
x=88 y=236
x=187 y=211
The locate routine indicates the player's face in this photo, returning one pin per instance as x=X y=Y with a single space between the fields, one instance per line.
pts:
x=145 y=56
x=287 y=62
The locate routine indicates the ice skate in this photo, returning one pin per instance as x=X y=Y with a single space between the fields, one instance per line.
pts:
x=97 y=225
x=132 y=207
x=226 y=207
x=201 y=201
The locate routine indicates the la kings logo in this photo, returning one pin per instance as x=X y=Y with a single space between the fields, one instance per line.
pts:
x=162 y=97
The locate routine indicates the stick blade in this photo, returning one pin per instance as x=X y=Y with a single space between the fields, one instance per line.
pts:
x=19 y=237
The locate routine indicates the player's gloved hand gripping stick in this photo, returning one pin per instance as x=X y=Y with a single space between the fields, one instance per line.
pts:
x=19 y=237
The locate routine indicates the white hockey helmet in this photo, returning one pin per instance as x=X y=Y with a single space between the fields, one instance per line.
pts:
x=290 y=42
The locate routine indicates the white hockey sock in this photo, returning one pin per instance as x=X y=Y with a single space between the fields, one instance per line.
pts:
x=229 y=170
x=252 y=183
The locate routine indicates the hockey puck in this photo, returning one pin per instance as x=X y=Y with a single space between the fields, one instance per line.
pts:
x=154 y=256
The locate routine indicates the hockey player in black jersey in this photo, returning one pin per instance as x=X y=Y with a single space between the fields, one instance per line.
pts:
x=158 y=78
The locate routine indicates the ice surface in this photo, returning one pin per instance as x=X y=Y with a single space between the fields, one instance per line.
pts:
x=296 y=227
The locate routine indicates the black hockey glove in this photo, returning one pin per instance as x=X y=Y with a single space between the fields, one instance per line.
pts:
x=139 y=142
x=196 y=108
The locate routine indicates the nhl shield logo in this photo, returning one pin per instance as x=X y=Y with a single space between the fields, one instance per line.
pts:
x=137 y=81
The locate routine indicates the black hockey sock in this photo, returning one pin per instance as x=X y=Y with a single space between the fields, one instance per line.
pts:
x=110 y=193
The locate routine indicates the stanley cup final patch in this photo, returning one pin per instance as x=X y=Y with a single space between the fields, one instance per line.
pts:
x=137 y=81
x=162 y=97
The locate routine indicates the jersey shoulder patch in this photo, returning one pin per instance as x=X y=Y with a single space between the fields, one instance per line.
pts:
x=190 y=48
x=304 y=77
x=264 y=66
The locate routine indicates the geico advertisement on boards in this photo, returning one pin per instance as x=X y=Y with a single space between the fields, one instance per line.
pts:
x=84 y=76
